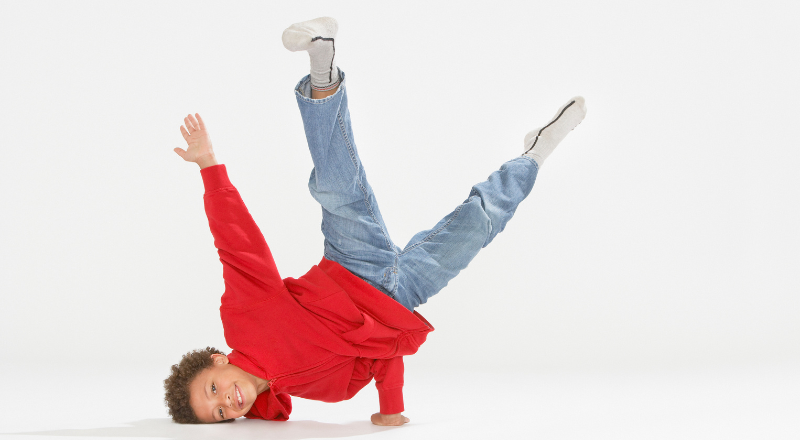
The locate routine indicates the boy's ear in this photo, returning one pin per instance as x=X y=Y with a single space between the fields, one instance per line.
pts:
x=219 y=359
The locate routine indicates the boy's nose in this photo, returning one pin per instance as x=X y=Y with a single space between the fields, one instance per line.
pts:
x=224 y=400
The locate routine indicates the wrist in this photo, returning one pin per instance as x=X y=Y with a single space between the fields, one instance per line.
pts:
x=205 y=161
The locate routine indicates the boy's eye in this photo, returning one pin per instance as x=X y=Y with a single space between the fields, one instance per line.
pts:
x=213 y=388
x=220 y=414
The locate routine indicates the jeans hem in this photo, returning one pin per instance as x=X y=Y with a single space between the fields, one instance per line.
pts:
x=303 y=90
x=535 y=164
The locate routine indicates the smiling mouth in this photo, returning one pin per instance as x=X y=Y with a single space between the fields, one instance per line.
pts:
x=239 y=398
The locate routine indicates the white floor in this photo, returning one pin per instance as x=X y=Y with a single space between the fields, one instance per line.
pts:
x=734 y=403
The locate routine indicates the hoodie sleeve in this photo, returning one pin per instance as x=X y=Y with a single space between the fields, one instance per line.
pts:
x=269 y=406
x=247 y=265
x=389 y=382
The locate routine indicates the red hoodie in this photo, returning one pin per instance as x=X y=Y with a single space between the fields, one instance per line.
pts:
x=323 y=336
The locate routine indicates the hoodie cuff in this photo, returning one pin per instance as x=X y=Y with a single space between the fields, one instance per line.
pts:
x=391 y=400
x=215 y=177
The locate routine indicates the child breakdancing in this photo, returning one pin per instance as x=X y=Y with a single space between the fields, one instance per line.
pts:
x=351 y=318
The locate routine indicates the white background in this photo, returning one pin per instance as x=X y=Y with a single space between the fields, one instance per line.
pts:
x=659 y=244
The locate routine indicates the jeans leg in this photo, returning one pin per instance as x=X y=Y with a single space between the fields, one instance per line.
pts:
x=355 y=234
x=433 y=257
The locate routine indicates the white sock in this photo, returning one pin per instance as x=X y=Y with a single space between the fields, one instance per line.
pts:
x=541 y=142
x=317 y=37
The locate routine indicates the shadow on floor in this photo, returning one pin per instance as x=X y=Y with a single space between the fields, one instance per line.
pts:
x=241 y=429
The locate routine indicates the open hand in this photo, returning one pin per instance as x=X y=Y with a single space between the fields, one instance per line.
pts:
x=199 y=148
x=389 y=419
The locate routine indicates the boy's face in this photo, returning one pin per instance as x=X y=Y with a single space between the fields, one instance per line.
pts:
x=222 y=391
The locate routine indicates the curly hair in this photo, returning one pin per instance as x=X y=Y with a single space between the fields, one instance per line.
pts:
x=176 y=386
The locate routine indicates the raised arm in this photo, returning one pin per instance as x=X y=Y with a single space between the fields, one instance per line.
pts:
x=248 y=267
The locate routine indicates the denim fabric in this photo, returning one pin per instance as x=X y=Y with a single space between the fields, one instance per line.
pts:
x=354 y=231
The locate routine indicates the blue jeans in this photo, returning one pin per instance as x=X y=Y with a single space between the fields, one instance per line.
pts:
x=355 y=234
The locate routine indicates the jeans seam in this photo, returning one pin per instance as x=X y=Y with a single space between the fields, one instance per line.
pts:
x=360 y=184
x=396 y=276
x=434 y=233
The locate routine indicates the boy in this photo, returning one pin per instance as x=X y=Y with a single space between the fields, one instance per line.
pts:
x=351 y=318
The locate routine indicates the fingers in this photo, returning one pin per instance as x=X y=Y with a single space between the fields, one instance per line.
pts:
x=195 y=124
x=189 y=125
x=180 y=152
